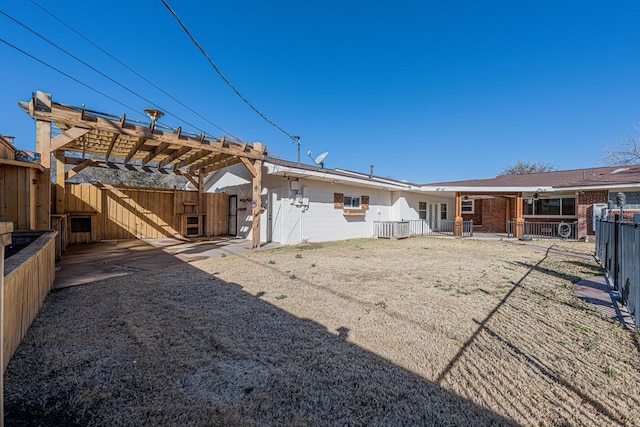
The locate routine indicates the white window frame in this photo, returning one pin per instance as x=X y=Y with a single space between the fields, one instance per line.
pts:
x=354 y=202
x=422 y=213
x=469 y=202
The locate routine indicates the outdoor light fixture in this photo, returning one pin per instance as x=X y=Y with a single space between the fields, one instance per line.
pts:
x=154 y=115
x=536 y=196
x=465 y=197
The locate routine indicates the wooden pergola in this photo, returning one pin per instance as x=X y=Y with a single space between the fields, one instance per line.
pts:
x=121 y=143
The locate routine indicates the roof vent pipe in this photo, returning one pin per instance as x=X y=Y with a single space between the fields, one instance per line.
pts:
x=370 y=171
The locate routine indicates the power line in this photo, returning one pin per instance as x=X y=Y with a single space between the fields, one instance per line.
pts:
x=67 y=75
x=215 y=67
x=98 y=71
x=130 y=69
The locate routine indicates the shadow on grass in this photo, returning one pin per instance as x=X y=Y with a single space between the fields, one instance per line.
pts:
x=181 y=347
x=521 y=344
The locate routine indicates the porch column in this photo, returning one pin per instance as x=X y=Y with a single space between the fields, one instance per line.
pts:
x=519 y=231
x=41 y=101
x=457 y=221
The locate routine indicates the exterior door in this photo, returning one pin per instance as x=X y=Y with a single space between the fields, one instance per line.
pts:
x=431 y=216
x=275 y=218
x=233 y=215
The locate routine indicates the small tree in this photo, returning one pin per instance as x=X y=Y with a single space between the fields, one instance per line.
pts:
x=523 y=168
x=623 y=152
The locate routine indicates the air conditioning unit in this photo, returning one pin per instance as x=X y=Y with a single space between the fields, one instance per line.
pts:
x=598 y=209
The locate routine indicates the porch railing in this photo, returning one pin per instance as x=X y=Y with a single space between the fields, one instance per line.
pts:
x=547 y=230
x=439 y=227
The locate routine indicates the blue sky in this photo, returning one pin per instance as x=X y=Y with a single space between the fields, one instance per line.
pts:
x=426 y=91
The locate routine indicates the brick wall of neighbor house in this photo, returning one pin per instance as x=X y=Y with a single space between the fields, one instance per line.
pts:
x=585 y=210
x=493 y=215
x=476 y=216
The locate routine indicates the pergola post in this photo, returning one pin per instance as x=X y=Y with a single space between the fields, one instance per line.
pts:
x=60 y=177
x=519 y=231
x=42 y=102
x=458 y=221
x=201 y=177
x=256 y=203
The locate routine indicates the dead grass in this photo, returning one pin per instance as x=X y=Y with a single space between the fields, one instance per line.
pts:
x=423 y=331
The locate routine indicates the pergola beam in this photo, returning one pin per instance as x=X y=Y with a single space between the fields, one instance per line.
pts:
x=73 y=118
x=67 y=136
x=139 y=143
x=175 y=155
x=160 y=149
x=192 y=158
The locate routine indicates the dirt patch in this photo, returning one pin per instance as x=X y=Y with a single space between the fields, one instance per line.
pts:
x=422 y=331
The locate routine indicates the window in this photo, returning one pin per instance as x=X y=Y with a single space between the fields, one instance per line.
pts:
x=632 y=199
x=443 y=211
x=422 y=210
x=351 y=202
x=81 y=224
x=550 y=207
x=467 y=206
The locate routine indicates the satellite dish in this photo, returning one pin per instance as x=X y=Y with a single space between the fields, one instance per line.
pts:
x=320 y=159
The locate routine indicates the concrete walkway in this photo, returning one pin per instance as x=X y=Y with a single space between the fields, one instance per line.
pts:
x=599 y=294
x=88 y=263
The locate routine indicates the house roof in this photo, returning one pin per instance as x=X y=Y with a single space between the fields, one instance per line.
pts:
x=578 y=178
x=337 y=174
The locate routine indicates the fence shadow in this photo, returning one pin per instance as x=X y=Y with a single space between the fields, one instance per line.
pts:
x=180 y=346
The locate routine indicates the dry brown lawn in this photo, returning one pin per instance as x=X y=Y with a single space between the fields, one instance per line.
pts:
x=424 y=331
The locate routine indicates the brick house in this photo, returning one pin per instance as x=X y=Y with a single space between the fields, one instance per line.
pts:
x=569 y=196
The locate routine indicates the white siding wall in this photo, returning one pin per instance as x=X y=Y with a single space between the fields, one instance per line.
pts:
x=406 y=205
x=322 y=222
x=286 y=223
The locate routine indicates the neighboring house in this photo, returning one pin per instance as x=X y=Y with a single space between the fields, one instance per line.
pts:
x=570 y=196
x=308 y=203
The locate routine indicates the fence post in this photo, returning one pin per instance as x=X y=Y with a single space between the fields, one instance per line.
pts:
x=5 y=239
x=636 y=279
x=616 y=251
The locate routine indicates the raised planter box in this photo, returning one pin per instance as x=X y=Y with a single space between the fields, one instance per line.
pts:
x=28 y=277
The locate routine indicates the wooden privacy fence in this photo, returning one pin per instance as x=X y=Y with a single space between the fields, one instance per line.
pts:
x=618 y=249
x=104 y=212
x=28 y=277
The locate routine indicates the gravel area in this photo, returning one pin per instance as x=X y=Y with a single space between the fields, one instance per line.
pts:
x=423 y=331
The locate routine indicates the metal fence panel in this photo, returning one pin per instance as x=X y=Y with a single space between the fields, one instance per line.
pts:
x=439 y=227
x=618 y=249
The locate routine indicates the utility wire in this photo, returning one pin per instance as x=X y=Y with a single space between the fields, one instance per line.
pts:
x=98 y=71
x=215 y=67
x=66 y=75
x=132 y=70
